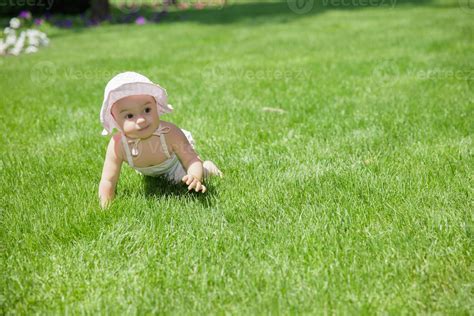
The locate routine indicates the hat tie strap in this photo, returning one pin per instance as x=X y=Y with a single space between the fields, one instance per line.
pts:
x=160 y=131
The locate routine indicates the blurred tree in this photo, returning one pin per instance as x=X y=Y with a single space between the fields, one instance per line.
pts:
x=100 y=9
x=170 y=2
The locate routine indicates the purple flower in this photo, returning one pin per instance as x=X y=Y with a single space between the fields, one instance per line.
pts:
x=140 y=20
x=67 y=23
x=38 y=22
x=64 y=23
x=92 y=22
x=25 y=14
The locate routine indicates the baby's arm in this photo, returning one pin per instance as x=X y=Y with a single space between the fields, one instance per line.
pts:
x=111 y=171
x=189 y=158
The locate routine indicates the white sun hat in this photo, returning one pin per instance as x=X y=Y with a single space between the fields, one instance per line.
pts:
x=126 y=84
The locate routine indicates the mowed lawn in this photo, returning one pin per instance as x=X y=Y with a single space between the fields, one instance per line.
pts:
x=356 y=199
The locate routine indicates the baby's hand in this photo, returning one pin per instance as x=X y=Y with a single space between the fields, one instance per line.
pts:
x=193 y=183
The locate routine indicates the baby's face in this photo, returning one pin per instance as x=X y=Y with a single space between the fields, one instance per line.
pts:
x=136 y=115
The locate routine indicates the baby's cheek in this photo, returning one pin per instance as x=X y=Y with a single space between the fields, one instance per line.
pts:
x=125 y=126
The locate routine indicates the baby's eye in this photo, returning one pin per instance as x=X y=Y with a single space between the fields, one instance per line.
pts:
x=129 y=116
x=147 y=110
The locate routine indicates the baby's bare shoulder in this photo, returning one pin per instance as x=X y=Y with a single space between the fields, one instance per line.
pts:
x=174 y=132
x=175 y=136
x=116 y=143
x=171 y=126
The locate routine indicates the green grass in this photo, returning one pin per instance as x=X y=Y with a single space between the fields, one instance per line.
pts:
x=358 y=199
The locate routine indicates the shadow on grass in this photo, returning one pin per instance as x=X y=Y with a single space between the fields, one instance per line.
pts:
x=160 y=187
x=261 y=12
x=253 y=13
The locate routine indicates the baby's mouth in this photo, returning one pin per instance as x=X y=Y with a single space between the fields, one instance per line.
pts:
x=142 y=129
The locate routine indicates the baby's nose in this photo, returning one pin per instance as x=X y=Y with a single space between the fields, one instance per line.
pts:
x=140 y=120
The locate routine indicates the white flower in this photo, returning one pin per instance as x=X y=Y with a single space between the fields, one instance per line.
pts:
x=19 y=44
x=33 y=32
x=31 y=49
x=37 y=37
x=33 y=39
x=15 y=51
x=3 y=47
x=28 y=41
x=10 y=40
x=15 y=23
x=44 y=42
x=21 y=39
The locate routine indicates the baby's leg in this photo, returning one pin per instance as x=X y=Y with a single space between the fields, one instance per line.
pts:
x=210 y=169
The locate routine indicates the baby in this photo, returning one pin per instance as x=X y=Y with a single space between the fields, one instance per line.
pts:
x=133 y=105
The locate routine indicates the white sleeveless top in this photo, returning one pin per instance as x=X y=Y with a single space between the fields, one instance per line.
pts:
x=171 y=167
